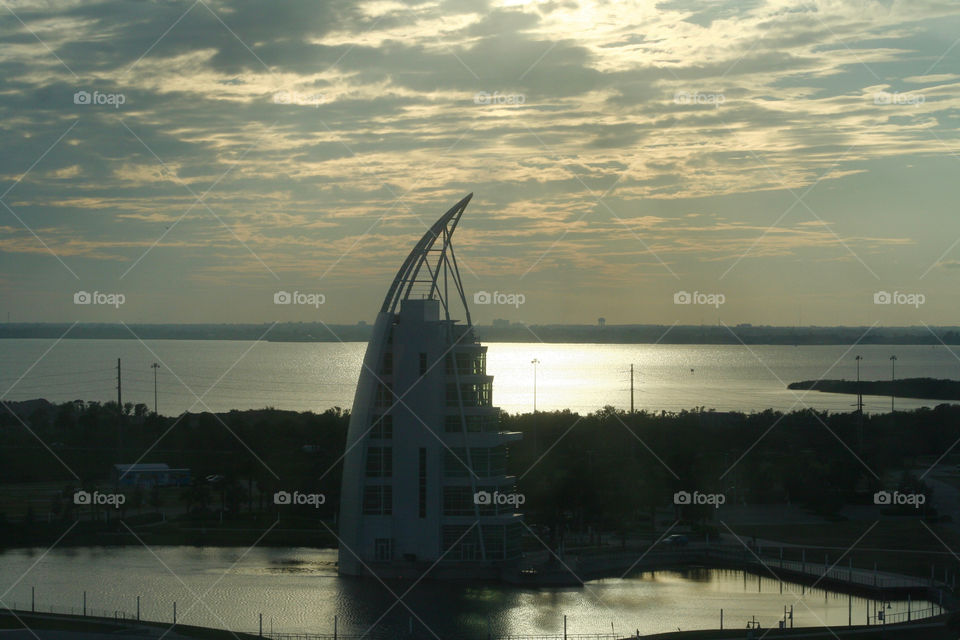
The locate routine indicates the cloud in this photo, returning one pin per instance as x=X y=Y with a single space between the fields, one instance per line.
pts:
x=312 y=128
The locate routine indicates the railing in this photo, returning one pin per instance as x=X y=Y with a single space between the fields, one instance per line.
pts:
x=772 y=561
x=886 y=617
x=568 y=636
x=315 y=636
x=766 y=562
x=90 y=612
x=554 y=636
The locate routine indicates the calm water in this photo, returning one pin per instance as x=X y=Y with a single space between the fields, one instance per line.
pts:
x=298 y=590
x=581 y=377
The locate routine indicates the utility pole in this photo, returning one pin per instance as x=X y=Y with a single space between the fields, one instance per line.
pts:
x=631 y=389
x=893 y=379
x=155 y=366
x=859 y=407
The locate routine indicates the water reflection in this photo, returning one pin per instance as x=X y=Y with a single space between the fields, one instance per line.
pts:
x=298 y=590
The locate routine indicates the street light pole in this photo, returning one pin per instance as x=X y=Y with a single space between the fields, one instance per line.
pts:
x=893 y=379
x=859 y=395
x=534 y=362
x=155 y=366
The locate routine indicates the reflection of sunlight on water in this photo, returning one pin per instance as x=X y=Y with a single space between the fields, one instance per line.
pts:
x=581 y=377
x=298 y=590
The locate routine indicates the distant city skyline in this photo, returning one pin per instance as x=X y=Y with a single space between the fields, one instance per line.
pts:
x=779 y=163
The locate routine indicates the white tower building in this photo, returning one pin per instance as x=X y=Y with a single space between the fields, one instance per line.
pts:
x=425 y=453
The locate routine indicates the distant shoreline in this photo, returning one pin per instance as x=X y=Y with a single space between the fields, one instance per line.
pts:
x=918 y=388
x=502 y=331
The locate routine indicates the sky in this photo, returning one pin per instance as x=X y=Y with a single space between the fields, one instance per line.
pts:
x=779 y=162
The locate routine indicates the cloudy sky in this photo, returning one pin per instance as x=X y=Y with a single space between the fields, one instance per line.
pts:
x=197 y=156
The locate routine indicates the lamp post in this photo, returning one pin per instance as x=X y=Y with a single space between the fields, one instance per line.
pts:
x=859 y=395
x=155 y=366
x=893 y=379
x=534 y=362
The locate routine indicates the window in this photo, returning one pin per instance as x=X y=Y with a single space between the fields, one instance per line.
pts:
x=423 y=483
x=378 y=500
x=475 y=424
x=379 y=462
x=384 y=395
x=383 y=549
x=455 y=463
x=382 y=428
x=423 y=363
x=461 y=543
x=486 y=462
x=457 y=501
x=474 y=394
x=387 y=368
x=469 y=363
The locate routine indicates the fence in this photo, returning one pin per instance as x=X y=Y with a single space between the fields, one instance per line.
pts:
x=824 y=570
x=116 y=614
x=882 y=613
x=889 y=617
